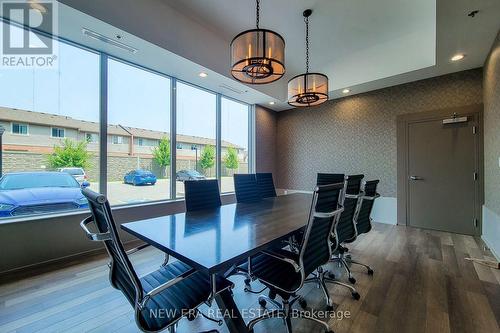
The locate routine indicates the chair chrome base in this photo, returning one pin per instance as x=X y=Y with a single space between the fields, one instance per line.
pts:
x=349 y=260
x=343 y=263
x=283 y=311
x=321 y=279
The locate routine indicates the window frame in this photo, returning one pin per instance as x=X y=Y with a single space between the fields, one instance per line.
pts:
x=119 y=139
x=58 y=129
x=19 y=126
x=91 y=136
x=102 y=136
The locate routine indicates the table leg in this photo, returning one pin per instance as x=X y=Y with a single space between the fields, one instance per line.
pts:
x=232 y=315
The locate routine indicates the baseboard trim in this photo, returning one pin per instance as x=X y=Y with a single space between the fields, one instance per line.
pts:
x=491 y=231
x=58 y=263
x=490 y=247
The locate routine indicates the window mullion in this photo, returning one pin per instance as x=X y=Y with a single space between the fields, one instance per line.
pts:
x=103 y=124
x=218 y=139
x=173 y=137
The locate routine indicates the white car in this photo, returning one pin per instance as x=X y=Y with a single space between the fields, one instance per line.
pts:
x=77 y=173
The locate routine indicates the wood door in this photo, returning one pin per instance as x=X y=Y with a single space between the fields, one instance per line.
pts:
x=442 y=175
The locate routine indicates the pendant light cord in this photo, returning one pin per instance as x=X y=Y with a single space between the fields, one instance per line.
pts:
x=258 y=14
x=306 y=19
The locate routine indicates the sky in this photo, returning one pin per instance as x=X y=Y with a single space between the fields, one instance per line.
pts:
x=136 y=97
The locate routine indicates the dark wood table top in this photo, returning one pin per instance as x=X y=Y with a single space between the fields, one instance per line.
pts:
x=215 y=240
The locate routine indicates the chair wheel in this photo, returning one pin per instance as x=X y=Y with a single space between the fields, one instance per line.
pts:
x=246 y=289
x=356 y=295
x=262 y=302
x=247 y=281
x=331 y=275
x=329 y=308
x=352 y=280
x=370 y=271
x=303 y=303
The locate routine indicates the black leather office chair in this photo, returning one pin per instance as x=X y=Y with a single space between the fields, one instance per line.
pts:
x=362 y=216
x=266 y=184
x=285 y=272
x=329 y=178
x=246 y=188
x=161 y=298
x=201 y=194
x=247 y=191
x=345 y=231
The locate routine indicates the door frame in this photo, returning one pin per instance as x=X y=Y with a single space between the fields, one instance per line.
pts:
x=403 y=123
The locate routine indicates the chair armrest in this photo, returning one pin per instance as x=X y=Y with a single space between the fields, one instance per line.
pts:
x=136 y=249
x=371 y=198
x=165 y=285
x=328 y=215
x=93 y=236
x=282 y=256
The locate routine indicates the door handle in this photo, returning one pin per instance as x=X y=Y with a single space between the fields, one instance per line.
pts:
x=416 y=178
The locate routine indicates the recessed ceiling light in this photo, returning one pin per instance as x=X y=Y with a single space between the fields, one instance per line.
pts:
x=271 y=103
x=346 y=91
x=203 y=74
x=458 y=57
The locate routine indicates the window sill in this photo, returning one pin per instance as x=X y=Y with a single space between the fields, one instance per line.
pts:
x=35 y=218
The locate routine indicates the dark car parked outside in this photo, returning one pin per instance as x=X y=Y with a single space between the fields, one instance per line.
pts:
x=189 y=175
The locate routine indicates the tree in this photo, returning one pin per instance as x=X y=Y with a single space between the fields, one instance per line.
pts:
x=207 y=158
x=231 y=158
x=161 y=153
x=70 y=154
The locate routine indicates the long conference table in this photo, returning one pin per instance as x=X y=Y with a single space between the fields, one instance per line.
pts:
x=217 y=240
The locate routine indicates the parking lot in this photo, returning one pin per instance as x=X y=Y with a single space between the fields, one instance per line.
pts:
x=121 y=194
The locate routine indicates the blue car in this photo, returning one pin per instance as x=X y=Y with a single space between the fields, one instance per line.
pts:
x=28 y=193
x=139 y=177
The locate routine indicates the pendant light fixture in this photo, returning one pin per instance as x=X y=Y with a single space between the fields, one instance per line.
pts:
x=308 y=89
x=258 y=55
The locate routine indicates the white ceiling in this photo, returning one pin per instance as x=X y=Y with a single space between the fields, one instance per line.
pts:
x=362 y=45
x=351 y=41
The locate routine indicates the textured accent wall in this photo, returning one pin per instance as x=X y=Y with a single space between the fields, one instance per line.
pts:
x=492 y=128
x=358 y=134
x=265 y=139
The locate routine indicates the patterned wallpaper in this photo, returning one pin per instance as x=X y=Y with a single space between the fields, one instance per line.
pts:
x=358 y=134
x=265 y=139
x=492 y=128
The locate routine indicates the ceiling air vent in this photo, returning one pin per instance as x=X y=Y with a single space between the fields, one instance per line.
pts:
x=237 y=91
x=102 y=38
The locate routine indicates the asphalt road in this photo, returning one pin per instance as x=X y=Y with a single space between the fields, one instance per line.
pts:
x=121 y=194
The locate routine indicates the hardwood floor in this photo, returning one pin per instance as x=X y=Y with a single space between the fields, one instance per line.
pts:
x=421 y=284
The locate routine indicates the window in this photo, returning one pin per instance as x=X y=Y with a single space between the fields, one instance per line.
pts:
x=117 y=140
x=20 y=129
x=57 y=132
x=41 y=97
x=131 y=88
x=196 y=120
x=234 y=145
x=91 y=137
x=38 y=105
